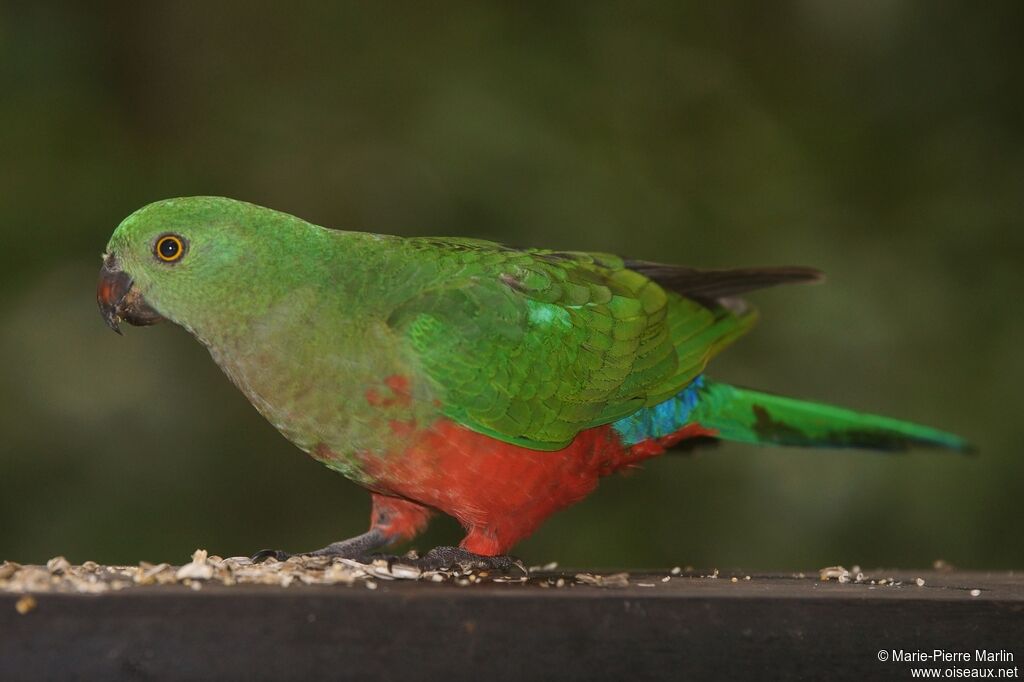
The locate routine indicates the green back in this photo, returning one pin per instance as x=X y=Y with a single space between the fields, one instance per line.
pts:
x=532 y=347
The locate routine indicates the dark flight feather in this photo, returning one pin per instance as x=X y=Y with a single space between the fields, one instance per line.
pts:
x=713 y=284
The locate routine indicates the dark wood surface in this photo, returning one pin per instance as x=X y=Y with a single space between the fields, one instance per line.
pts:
x=691 y=627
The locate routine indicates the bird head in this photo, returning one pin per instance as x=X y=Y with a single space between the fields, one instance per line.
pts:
x=185 y=260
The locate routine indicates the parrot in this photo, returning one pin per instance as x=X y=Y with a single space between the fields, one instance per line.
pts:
x=459 y=376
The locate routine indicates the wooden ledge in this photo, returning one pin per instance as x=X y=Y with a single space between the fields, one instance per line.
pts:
x=688 y=627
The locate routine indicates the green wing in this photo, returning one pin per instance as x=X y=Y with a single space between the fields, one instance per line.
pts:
x=531 y=347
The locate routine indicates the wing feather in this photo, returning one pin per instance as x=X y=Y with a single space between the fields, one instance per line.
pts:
x=531 y=347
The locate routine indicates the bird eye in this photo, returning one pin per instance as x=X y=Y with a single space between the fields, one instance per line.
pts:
x=169 y=248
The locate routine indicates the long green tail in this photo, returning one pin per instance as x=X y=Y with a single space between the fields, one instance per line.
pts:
x=749 y=416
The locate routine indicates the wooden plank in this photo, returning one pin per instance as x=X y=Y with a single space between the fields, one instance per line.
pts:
x=691 y=627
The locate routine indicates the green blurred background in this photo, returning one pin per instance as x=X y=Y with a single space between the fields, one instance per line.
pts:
x=879 y=140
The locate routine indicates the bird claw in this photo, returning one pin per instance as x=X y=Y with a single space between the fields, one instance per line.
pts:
x=265 y=554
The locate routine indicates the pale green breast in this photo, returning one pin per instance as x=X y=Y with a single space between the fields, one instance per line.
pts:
x=327 y=381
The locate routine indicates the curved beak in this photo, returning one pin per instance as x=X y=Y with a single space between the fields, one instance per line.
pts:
x=119 y=300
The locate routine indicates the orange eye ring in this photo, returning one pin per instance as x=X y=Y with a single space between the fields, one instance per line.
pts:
x=170 y=248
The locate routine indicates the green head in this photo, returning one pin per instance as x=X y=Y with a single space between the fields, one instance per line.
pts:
x=195 y=260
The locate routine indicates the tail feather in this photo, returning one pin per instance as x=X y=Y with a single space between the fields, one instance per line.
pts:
x=748 y=416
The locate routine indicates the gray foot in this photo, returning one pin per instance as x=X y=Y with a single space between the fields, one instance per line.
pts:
x=357 y=548
x=455 y=557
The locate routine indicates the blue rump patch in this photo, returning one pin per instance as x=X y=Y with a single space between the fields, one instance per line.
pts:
x=662 y=419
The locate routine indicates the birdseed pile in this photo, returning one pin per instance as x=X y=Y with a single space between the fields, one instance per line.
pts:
x=59 y=575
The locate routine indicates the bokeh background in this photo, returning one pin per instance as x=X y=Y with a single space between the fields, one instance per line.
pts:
x=879 y=140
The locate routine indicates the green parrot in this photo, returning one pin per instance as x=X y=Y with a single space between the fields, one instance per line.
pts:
x=453 y=375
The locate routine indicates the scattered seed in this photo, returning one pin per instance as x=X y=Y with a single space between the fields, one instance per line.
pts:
x=613 y=580
x=975 y=593
x=676 y=570
x=25 y=604
x=833 y=573
x=919 y=582
x=198 y=568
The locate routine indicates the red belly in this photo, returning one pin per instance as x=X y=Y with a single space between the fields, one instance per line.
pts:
x=501 y=492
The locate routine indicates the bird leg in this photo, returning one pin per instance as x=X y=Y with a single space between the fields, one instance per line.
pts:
x=356 y=547
x=393 y=519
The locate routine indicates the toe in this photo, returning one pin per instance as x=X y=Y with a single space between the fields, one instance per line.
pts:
x=264 y=554
x=508 y=564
